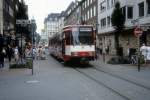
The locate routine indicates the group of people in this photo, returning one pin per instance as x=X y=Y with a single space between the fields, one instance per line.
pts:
x=8 y=52
x=36 y=52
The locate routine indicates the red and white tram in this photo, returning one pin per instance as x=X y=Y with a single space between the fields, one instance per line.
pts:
x=77 y=42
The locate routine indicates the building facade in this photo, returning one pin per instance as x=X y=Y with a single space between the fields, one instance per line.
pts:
x=61 y=22
x=51 y=24
x=8 y=9
x=136 y=12
x=82 y=12
x=72 y=14
x=44 y=38
x=8 y=15
x=89 y=11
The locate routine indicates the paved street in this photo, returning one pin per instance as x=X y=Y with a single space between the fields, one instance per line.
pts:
x=54 y=81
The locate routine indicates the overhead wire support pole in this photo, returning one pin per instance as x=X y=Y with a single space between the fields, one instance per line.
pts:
x=138 y=32
x=139 y=54
x=32 y=31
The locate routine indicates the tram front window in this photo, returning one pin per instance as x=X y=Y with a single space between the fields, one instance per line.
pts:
x=82 y=37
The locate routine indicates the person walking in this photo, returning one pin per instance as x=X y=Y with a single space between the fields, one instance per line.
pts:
x=9 y=52
x=2 y=56
x=40 y=52
x=34 y=53
x=16 y=54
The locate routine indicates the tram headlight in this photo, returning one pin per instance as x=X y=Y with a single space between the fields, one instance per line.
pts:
x=74 y=53
x=91 y=53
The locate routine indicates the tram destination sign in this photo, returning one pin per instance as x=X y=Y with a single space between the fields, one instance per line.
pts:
x=85 y=29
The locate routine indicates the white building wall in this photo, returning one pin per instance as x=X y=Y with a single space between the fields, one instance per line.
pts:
x=61 y=25
x=104 y=14
x=139 y=20
x=129 y=22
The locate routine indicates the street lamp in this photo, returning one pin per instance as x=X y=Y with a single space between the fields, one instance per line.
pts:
x=33 y=28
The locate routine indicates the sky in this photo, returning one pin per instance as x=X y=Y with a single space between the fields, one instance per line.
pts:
x=39 y=9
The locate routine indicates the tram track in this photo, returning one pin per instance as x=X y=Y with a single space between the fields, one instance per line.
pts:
x=120 y=86
x=101 y=83
x=113 y=89
x=119 y=77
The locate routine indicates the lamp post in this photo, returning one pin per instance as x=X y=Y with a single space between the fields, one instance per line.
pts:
x=33 y=28
x=138 y=32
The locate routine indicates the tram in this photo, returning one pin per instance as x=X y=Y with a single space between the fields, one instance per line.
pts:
x=75 y=43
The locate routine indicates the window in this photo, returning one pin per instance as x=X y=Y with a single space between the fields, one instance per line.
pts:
x=88 y=3
x=108 y=4
x=91 y=12
x=11 y=11
x=141 y=9
x=68 y=37
x=94 y=11
x=108 y=20
x=124 y=11
x=85 y=35
x=103 y=22
x=83 y=6
x=148 y=6
x=88 y=15
x=130 y=12
x=85 y=17
x=103 y=6
x=112 y=2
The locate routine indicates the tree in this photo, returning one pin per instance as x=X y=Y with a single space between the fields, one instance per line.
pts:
x=118 y=21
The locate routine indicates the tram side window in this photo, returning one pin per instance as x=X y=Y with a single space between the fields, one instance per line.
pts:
x=68 y=38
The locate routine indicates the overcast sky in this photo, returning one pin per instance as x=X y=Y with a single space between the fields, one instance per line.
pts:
x=39 y=9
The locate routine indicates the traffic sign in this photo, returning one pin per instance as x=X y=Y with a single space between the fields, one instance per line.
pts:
x=23 y=22
x=138 y=31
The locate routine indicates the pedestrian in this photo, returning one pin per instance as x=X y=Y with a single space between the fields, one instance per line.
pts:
x=16 y=54
x=107 y=50
x=143 y=51
x=9 y=52
x=34 y=53
x=2 y=56
x=40 y=52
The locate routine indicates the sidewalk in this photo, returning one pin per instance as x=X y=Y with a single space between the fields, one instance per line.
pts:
x=126 y=71
x=6 y=71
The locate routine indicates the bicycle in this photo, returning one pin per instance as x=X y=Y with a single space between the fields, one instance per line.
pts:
x=134 y=59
